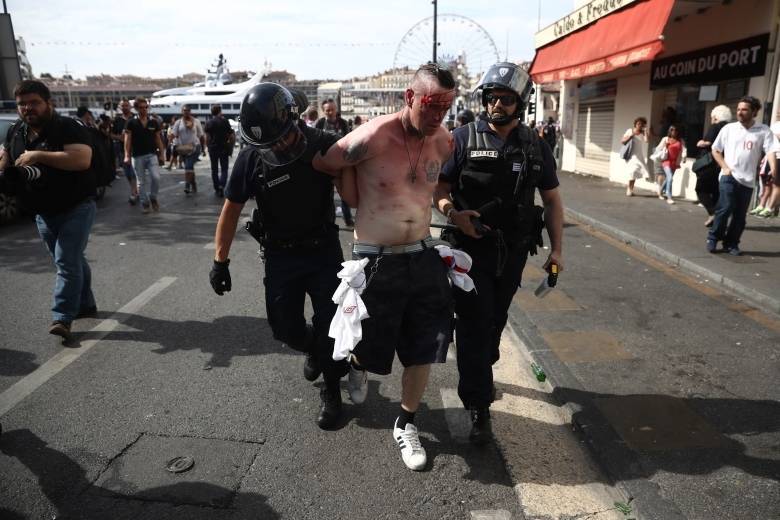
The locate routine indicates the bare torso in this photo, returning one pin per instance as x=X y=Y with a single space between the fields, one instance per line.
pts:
x=395 y=186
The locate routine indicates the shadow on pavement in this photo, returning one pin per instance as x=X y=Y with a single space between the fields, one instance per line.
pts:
x=16 y=363
x=64 y=483
x=224 y=338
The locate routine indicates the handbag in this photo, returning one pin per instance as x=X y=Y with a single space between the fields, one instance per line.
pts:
x=185 y=149
x=661 y=153
x=704 y=163
x=627 y=149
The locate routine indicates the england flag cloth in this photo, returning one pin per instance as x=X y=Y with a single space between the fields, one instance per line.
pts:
x=345 y=327
x=459 y=263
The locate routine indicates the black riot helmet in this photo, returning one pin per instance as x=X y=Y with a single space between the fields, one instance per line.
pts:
x=465 y=117
x=268 y=122
x=505 y=75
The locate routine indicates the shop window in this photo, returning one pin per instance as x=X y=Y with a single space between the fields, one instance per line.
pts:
x=691 y=115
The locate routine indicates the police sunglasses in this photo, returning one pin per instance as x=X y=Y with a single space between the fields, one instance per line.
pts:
x=506 y=99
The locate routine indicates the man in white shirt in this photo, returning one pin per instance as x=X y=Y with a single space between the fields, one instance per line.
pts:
x=738 y=149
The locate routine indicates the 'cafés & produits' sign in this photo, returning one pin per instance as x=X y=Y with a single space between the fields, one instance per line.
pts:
x=740 y=59
x=585 y=15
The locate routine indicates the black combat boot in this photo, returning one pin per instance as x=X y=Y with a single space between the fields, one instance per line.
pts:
x=481 y=430
x=330 y=407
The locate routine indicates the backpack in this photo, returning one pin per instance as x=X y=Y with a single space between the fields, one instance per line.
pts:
x=102 y=164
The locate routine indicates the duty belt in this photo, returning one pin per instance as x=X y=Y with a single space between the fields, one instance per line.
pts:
x=360 y=248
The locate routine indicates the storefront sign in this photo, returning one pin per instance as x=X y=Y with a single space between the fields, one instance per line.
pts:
x=578 y=19
x=740 y=59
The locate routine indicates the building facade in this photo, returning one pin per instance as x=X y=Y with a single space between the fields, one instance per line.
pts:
x=654 y=55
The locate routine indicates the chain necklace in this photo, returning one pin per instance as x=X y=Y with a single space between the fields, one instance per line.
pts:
x=413 y=171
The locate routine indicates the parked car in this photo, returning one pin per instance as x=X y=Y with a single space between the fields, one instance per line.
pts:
x=9 y=209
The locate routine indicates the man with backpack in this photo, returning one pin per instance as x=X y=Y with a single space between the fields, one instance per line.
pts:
x=46 y=163
x=102 y=165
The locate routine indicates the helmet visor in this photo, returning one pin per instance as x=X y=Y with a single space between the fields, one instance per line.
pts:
x=285 y=149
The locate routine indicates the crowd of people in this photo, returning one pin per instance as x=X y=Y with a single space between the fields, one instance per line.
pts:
x=733 y=158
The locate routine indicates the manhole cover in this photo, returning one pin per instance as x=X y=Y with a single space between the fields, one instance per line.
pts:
x=179 y=464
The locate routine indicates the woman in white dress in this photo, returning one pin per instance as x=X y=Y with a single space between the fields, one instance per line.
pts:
x=636 y=165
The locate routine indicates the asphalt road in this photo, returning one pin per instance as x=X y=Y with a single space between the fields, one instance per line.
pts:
x=169 y=369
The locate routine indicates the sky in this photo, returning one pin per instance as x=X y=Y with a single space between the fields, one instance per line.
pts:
x=312 y=39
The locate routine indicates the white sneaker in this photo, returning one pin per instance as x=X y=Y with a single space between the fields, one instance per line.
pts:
x=357 y=385
x=412 y=452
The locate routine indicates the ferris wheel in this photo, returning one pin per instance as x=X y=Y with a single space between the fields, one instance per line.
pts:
x=461 y=41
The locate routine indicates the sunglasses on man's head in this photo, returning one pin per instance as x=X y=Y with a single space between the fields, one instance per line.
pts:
x=506 y=99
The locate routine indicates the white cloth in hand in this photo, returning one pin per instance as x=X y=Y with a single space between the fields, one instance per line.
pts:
x=345 y=327
x=459 y=263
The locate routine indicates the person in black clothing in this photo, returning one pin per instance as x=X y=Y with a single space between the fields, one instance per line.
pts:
x=295 y=224
x=143 y=142
x=46 y=163
x=334 y=123
x=487 y=189
x=550 y=133
x=118 y=136
x=219 y=141
x=707 y=187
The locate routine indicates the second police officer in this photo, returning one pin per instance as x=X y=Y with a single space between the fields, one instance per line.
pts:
x=487 y=190
x=295 y=224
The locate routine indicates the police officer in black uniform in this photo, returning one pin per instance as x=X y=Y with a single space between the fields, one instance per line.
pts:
x=487 y=190
x=295 y=224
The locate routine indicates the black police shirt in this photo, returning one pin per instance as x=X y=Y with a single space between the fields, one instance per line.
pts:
x=289 y=188
x=143 y=142
x=454 y=165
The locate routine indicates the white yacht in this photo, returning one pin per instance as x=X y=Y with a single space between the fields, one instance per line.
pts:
x=217 y=88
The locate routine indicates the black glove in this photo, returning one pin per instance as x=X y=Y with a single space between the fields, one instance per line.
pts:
x=220 y=277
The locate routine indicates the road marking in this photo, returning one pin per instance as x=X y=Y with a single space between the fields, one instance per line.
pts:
x=24 y=387
x=757 y=315
x=210 y=245
x=553 y=473
x=491 y=514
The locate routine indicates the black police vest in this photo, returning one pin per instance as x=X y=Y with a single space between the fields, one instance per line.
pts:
x=295 y=200
x=500 y=184
x=56 y=191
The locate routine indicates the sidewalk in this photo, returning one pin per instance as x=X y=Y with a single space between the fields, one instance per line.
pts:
x=676 y=234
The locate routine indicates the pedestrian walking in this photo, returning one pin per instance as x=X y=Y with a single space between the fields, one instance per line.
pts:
x=550 y=134
x=46 y=163
x=295 y=225
x=407 y=295
x=705 y=167
x=770 y=182
x=190 y=141
x=636 y=163
x=220 y=139
x=144 y=145
x=487 y=190
x=118 y=136
x=333 y=122
x=738 y=148
x=671 y=152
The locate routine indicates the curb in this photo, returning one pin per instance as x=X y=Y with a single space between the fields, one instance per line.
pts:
x=609 y=451
x=755 y=297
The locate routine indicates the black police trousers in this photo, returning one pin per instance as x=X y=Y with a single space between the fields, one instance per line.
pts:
x=291 y=274
x=481 y=317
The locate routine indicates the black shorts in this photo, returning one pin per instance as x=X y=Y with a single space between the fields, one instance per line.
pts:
x=410 y=308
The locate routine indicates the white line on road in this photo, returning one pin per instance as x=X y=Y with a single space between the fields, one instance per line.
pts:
x=24 y=387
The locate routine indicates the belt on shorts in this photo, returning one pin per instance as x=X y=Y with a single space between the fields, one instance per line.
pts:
x=360 y=248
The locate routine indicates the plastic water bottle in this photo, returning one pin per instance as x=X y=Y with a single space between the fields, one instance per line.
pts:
x=538 y=372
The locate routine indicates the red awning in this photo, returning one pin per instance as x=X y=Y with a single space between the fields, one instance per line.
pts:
x=619 y=39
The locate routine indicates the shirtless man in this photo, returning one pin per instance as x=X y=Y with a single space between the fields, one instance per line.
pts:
x=397 y=160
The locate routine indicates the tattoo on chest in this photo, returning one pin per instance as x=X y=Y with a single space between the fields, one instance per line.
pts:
x=432 y=170
x=355 y=151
